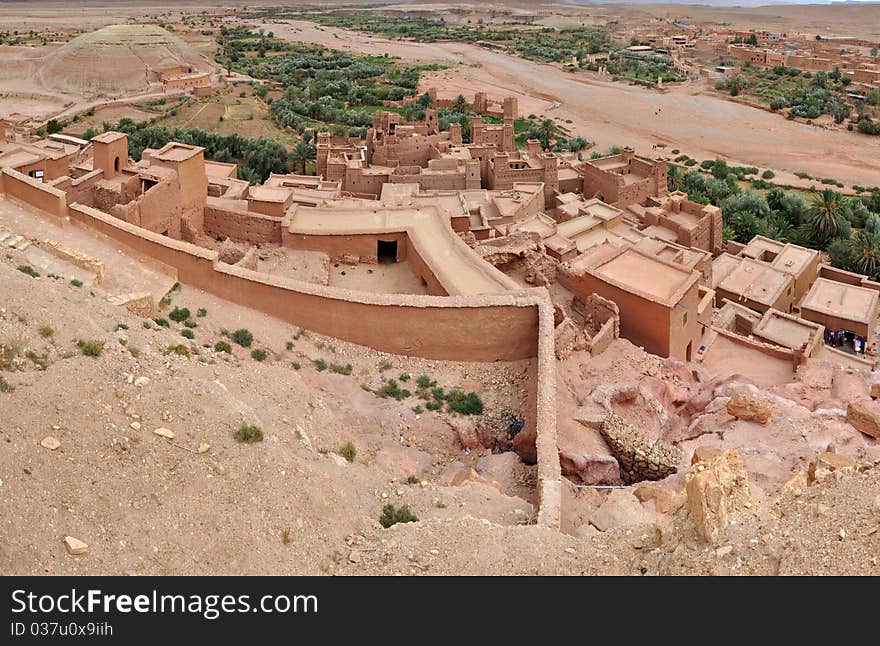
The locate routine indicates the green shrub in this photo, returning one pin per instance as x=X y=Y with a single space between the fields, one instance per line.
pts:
x=348 y=451
x=243 y=337
x=434 y=405
x=320 y=365
x=161 y=322
x=190 y=324
x=391 y=389
x=248 y=433
x=222 y=346
x=5 y=387
x=464 y=403
x=289 y=345
x=202 y=312
x=296 y=365
x=424 y=381
x=768 y=174
x=404 y=377
x=340 y=369
x=179 y=349
x=76 y=282
x=187 y=333
x=30 y=271
x=417 y=409
x=46 y=331
x=90 y=348
x=259 y=354
x=179 y=314
x=385 y=365
x=413 y=480
x=391 y=516
x=120 y=326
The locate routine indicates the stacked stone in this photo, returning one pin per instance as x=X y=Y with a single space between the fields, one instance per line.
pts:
x=638 y=457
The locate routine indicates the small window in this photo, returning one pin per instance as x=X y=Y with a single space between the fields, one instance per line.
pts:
x=685 y=319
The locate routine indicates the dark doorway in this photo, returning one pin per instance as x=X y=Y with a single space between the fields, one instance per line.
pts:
x=386 y=251
x=116 y=164
x=687 y=352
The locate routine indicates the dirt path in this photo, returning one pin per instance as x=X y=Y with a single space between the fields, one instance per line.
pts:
x=685 y=117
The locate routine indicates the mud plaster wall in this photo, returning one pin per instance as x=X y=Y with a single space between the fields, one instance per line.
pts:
x=248 y=227
x=479 y=328
x=643 y=322
x=45 y=198
x=770 y=349
x=549 y=470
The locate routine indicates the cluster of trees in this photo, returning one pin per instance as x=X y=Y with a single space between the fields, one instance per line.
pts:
x=552 y=138
x=641 y=68
x=827 y=222
x=545 y=44
x=257 y=157
x=328 y=86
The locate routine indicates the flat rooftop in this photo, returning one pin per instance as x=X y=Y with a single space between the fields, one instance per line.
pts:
x=108 y=137
x=174 y=151
x=785 y=330
x=646 y=275
x=844 y=301
x=749 y=278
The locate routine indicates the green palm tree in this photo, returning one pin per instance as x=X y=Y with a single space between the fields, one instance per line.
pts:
x=824 y=213
x=546 y=130
x=866 y=252
x=303 y=152
x=460 y=104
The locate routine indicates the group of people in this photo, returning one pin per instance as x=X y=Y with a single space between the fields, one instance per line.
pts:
x=841 y=338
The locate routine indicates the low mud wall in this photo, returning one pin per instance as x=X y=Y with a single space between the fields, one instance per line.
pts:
x=36 y=194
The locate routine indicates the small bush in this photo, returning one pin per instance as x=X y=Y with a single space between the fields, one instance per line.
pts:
x=190 y=324
x=391 y=516
x=391 y=389
x=46 y=331
x=201 y=312
x=76 y=282
x=5 y=387
x=120 y=326
x=404 y=377
x=161 y=322
x=248 y=433
x=30 y=271
x=296 y=365
x=320 y=365
x=222 y=346
x=187 y=333
x=385 y=365
x=413 y=480
x=179 y=314
x=243 y=337
x=434 y=405
x=90 y=348
x=259 y=354
x=417 y=409
x=768 y=174
x=348 y=451
x=339 y=369
x=424 y=381
x=289 y=345
x=464 y=403
x=179 y=349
